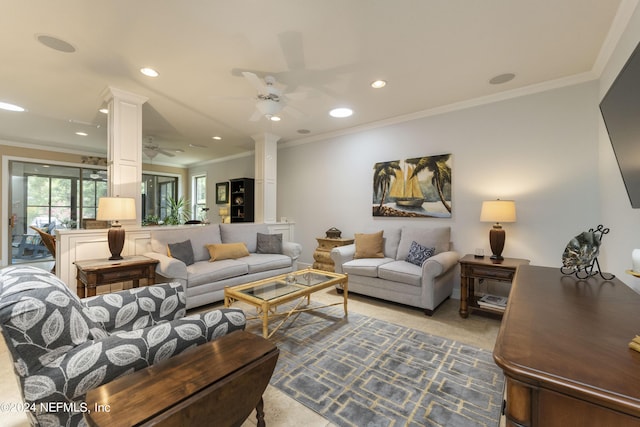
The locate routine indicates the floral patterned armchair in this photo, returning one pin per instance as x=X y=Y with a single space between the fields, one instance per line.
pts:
x=63 y=346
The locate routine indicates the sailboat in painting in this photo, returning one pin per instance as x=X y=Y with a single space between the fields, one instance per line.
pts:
x=406 y=191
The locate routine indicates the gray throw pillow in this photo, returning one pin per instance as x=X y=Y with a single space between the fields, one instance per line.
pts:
x=269 y=244
x=182 y=251
x=418 y=254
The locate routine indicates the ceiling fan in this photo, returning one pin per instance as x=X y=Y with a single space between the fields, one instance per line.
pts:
x=152 y=149
x=270 y=100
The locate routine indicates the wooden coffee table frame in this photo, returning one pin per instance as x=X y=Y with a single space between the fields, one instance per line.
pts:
x=266 y=308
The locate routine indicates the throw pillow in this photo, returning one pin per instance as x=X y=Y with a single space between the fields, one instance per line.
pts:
x=182 y=251
x=218 y=251
x=369 y=245
x=418 y=254
x=269 y=243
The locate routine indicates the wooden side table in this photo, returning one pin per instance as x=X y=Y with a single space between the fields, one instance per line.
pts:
x=322 y=255
x=472 y=268
x=217 y=383
x=91 y=273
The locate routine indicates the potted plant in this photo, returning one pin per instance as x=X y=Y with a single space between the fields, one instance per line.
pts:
x=178 y=211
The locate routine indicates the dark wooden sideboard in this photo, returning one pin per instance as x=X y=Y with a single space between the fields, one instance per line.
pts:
x=563 y=348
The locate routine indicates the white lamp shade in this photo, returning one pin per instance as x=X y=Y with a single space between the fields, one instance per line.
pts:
x=498 y=211
x=116 y=208
x=223 y=211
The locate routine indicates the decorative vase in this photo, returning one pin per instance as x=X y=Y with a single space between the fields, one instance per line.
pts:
x=635 y=260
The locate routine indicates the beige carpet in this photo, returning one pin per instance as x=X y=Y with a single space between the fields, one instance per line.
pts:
x=282 y=411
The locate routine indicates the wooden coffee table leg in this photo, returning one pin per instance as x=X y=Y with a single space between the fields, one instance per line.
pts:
x=265 y=320
x=260 y=413
x=345 y=294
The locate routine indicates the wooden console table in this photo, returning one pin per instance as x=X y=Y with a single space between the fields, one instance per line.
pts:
x=218 y=383
x=563 y=348
x=472 y=268
x=91 y=273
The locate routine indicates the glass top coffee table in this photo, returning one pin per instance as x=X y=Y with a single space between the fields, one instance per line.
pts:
x=267 y=294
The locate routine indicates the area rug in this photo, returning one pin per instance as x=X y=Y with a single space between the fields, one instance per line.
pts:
x=363 y=371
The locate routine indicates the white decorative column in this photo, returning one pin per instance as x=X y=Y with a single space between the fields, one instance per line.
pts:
x=124 y=153
x=266 y=170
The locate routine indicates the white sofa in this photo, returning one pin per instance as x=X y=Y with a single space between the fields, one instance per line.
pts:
x=392 y=278
x=204 y=281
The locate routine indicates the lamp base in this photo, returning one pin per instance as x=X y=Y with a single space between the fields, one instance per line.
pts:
x=496 y=241
x=115 y=238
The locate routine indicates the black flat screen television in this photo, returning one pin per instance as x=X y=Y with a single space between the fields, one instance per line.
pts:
x=620 y=110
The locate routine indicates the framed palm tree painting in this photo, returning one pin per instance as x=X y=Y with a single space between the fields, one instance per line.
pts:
x=416 y=187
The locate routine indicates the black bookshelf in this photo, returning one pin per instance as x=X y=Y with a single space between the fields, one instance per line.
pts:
x=242 y=195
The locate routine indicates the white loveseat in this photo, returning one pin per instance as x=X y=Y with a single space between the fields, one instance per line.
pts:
x=392 y=278
x=204 y=281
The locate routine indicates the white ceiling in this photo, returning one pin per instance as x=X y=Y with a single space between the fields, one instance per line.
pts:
x=432 y=53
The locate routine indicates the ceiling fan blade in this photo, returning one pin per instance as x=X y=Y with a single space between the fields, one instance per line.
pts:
x=165 y=152
x=292 y=49
x=296 y=95
x=293 y=112
x=256 y=82
x=256 y=116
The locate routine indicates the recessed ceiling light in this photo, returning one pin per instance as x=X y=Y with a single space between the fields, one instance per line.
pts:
x=341 y=112
x=217 y=138
x=82 y=133
x=55 y=43
x=10 y=107
x=104 y=110
x=502 y=78
x=197 y=146
x=178 y=150
x=378 y=84
x=149 y=72
x=304 y=131
x=275 y=118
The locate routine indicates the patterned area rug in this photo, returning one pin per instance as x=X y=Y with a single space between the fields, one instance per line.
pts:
x=362 y=371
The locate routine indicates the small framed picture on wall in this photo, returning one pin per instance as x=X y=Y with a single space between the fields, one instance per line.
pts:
x=222 y=193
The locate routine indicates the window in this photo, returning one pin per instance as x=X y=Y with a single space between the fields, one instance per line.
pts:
x=49 y=196
x=200 y=197
x=155 y=190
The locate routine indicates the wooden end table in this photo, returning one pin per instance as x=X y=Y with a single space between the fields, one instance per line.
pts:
x=217 y=383
x=472 y=268
x=91 y=273
x=322 y=254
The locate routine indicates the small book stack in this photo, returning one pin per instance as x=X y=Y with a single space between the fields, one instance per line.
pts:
x=493 y=302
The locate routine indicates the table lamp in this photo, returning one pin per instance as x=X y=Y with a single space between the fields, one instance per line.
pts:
x=497 y=211
x=116 y=209
x=223 y=212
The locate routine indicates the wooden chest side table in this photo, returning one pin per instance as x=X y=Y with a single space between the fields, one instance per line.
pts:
x=91 y=273
x=322 y=254
x=472 y=268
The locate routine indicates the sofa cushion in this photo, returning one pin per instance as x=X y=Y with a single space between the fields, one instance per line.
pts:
x=200 y=236
x=265 y=262
x=246 y=233
x=221 y=251
x=432 y=237
x=401 y=271
x=204 y=272
x=419 y=254
x=365 y=266
x=269 y=243
x=182 y=251
x=369 y=245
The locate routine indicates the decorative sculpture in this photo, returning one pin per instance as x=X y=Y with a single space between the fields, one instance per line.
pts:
x=580 y=256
